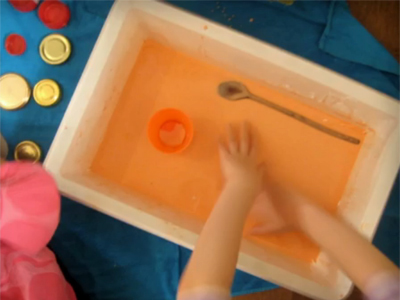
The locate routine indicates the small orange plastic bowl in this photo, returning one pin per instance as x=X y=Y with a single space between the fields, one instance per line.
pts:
x=173 y=124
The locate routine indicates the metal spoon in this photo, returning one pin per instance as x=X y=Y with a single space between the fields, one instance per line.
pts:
x=234 y=91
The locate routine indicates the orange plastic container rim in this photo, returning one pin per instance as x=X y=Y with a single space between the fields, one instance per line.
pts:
x=168 y=115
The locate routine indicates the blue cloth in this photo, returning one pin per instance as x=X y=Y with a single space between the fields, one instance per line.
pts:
x=107 y=259
x=346 y=38
x=35 y=122
x=296 y=28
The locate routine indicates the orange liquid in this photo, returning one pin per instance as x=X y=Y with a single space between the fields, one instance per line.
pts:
x=312 y=162
x=172 y=134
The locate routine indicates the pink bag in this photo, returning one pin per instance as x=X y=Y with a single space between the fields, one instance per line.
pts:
x=29 y=215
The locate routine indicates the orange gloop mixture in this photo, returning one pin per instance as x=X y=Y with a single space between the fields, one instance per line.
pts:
x=172 y=134
x=312 y=162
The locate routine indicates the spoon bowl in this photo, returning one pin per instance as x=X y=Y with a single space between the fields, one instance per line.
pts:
x=233 y=90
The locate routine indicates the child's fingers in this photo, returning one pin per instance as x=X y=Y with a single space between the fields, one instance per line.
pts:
x=232 y=142
x=245 y=137
x=253 y=147
x=223 y=151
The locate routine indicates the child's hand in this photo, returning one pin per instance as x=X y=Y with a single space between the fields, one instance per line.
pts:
x=239 y=158
x=276 y=209
x=265 y=217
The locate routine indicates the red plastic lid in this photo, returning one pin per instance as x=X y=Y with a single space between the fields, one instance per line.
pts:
x=54 y=14
x=15 y=44
x=24 y=5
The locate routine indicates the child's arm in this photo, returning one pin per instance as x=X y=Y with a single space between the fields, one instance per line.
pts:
x=354 y=254
x=211 y=268
x=367 y=267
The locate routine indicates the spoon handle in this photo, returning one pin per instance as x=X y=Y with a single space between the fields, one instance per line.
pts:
x=305 y=120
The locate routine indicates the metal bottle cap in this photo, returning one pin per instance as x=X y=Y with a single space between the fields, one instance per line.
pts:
x=55 y=49
x=27 y=151
x=14 y=91
x=47 y=92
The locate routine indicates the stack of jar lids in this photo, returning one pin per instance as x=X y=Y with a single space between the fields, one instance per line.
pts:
x=55 y=49
x=25 y=151
x=53 y=13
x=15 y=92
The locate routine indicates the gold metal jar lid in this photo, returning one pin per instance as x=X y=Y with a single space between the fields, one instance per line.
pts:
x=55 y=49
x=287 y=2
x=3 y=147
x=46 y=92
x=27 y=151
x=14 y=91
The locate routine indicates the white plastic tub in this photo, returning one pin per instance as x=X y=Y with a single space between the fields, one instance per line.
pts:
x=128 y=25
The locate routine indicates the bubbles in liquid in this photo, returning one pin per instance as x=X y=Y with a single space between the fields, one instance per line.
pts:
x=172 y=133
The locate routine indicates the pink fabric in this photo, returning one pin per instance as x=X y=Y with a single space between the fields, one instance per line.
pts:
x=383 y=286
x=29 y=215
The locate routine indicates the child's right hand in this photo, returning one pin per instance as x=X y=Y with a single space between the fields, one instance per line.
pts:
x=276 y=209
x=238 y=157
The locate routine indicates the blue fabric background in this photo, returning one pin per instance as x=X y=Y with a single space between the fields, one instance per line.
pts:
x=104 y=258
x=344 y=36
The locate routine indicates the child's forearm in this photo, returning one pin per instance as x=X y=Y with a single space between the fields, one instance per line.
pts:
x=354 y=254
x=213 y=262
x=210 y=271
